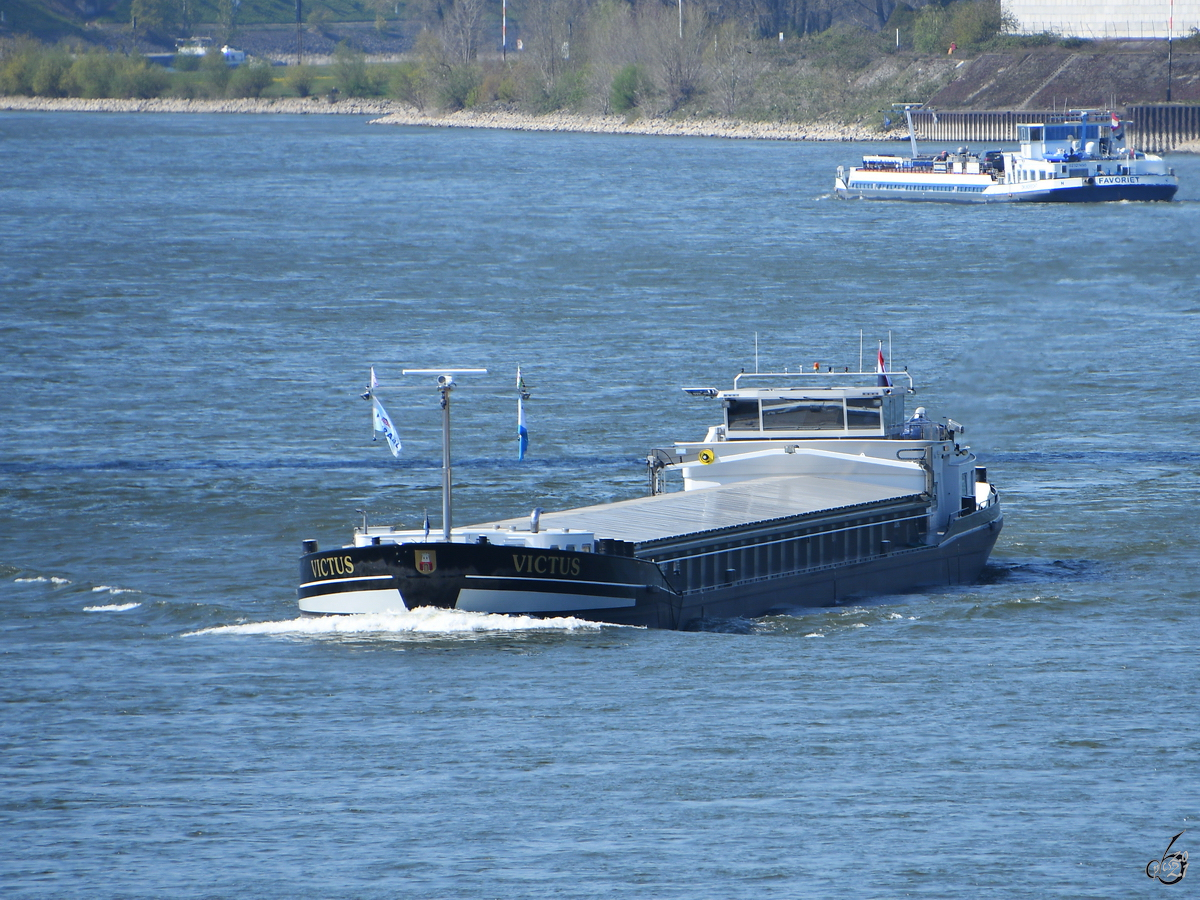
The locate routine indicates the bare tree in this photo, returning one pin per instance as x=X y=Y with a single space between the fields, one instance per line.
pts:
x=554 y=34
x=611 y=45
x=733 y=65
x=879 y=10
x=462 y=28
x=678 y=61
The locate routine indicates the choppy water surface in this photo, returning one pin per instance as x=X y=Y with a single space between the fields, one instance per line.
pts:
x=190 y=305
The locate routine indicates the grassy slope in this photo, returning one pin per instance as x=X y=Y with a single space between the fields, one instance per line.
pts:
x=41 y=18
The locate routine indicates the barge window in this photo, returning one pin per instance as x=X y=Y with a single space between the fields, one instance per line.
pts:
x=741 y=415
x=802 y=414
x=864 y=413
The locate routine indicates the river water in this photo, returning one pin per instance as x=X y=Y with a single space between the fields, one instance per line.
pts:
x=190 y=308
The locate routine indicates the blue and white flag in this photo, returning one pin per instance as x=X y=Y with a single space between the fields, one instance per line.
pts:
x=522 y=429
x=383 y=422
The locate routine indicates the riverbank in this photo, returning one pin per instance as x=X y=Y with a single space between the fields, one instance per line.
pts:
x=391 y=112
x=387 y=112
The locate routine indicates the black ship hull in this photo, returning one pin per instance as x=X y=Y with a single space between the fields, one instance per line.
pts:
x=616 y=585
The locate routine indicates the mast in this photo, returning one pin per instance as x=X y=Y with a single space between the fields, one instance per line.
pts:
x=445 y=383
x=912 y=133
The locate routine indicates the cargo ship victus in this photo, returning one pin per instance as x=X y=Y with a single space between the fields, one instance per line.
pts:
x=815 y=488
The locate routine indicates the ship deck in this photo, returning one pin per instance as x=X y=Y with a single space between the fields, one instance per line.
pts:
x=689 y=514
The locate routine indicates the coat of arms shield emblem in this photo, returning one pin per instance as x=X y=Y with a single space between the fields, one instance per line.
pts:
x=426 y=561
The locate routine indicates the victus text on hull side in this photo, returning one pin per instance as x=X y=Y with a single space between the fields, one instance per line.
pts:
x=816 y=487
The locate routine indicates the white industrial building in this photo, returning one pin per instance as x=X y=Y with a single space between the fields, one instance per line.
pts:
x=1100 y=19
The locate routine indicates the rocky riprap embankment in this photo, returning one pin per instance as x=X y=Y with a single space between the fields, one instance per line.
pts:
x=392 y=113
x=724 y=128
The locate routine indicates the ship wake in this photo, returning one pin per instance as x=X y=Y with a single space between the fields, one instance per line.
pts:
x=420 y=622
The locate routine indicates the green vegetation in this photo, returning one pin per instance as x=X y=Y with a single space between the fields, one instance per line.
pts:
x=628 y=89
x=28 y=68
x=592 y=56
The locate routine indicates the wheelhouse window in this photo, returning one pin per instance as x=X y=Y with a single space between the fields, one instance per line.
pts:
x=864 y=413
x=802 y=414
x=741 y=415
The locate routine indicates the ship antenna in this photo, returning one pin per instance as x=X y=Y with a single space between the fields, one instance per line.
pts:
x=860 y=351
x=445 y=383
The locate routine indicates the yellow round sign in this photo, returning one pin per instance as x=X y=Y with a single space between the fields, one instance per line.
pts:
x=707 y=456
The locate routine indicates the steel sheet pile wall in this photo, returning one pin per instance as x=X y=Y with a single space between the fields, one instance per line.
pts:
x=1155 y=128
x=1158 y=128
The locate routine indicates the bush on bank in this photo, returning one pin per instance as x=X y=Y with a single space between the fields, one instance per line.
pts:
x=30 y=69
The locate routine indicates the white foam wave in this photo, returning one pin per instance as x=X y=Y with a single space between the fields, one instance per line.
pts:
x=112 y=607
x=425 y=621
x=114 y=590
x=41 y=579
x=815 y=634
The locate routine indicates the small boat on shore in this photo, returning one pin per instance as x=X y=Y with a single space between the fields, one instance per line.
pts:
x=1072 y=159
x=814 y=488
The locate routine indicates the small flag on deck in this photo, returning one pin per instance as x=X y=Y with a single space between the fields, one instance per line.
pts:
x=881 y=368
x=522 y=432
x=383 y=422
x=522 y=428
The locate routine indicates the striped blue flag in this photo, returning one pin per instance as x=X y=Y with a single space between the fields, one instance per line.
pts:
x=522 y=431
x=522 y=428
x=383 y=422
